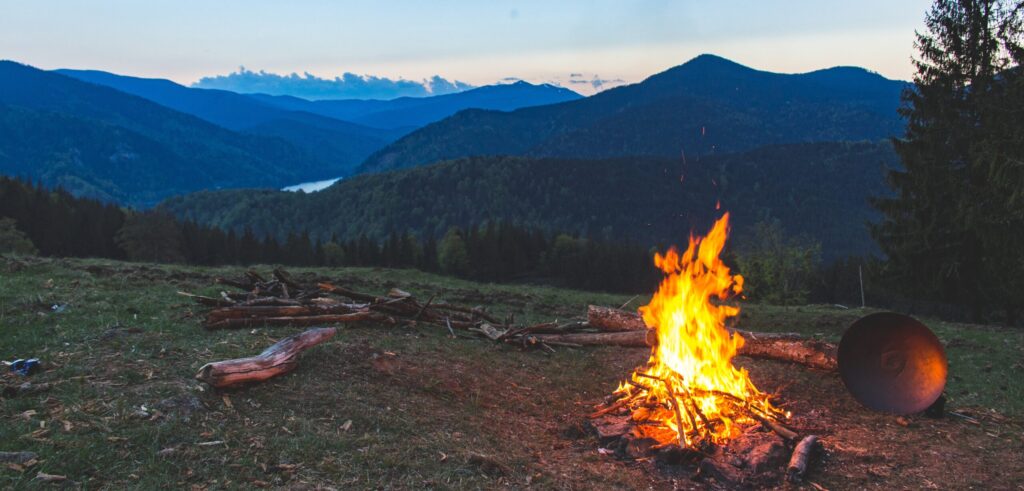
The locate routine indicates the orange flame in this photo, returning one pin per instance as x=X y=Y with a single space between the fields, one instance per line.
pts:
x=689 y=391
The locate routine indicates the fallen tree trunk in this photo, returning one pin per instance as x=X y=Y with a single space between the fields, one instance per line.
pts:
x=278 y=359
x=789 y=347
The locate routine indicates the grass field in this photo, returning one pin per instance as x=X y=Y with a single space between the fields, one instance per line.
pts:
x=411 y=408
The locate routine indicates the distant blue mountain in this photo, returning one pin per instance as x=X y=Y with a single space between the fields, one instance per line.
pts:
x=413 y=112
x=340 y=145
x=706 y=105
x=100 y=142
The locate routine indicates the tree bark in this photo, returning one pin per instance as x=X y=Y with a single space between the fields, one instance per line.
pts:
x=278 y=359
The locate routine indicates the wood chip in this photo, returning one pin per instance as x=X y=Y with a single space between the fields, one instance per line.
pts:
x=44 y=477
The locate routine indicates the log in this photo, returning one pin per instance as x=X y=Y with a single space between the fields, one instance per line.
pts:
x=801 y=457
x=612 y=319
x=292 y=321
x=241 y=311
x=808 y=352
x=609 y=319
x=279 y=358
x=354 y=295
x=789 y=347
x=628 y=339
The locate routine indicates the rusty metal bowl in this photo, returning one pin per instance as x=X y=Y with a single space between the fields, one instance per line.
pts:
x=892 y=363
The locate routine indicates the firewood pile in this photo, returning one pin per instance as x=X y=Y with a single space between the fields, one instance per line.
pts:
x=283 y=301
x=762 y=455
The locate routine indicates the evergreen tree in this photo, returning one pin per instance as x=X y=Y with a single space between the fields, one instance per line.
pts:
x=934 y=229
x=154 y=237
x=778 y=269
x=452 y=253
x=14 y=240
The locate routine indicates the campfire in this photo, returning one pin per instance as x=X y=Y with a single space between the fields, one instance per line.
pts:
x=689 y=392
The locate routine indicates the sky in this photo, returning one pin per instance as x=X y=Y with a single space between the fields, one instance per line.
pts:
x=475 y=42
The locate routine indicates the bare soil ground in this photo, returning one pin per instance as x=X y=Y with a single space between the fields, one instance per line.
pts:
x=383 y=407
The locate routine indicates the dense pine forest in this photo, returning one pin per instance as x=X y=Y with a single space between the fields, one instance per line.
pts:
x=820 y=190
x=55 y=223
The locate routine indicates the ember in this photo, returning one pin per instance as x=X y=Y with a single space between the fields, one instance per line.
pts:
x=689 y=392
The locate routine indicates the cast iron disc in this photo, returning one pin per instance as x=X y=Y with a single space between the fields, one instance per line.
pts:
x=892 y=363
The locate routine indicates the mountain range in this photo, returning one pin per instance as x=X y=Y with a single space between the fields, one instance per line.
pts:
x=99 y=142
x=707 y=105
x=339 y=133
x=644 y=162
x=136 y=141
x=414 y=112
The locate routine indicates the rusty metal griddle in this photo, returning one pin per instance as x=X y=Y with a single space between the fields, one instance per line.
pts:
x=892 y=363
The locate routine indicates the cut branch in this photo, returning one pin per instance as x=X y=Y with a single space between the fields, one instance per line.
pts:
x=801 y=457
x=278 y=359
x=293 y=321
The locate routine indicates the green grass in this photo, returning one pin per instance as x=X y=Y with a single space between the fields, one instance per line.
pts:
x=126 y=341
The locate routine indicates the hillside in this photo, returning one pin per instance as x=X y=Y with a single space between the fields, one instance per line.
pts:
x=414 y=112
x=820 y=190
x=338 y=145
x=705 y=106
x=411 y=407
x=107 y=144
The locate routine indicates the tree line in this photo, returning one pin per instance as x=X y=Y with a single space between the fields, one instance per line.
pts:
x=779 y=268
x=52 y=222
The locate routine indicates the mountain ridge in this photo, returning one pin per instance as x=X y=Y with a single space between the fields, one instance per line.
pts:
x=707 y=105
x=396 y=113
x=83 y=133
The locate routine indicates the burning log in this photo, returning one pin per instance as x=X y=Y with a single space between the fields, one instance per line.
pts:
x=801 y=456
x=789 y=347
x=279 y=358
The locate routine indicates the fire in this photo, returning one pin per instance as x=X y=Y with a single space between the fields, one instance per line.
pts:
x=689 y=392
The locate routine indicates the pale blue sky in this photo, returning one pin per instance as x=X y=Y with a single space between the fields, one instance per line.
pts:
x=474 y=41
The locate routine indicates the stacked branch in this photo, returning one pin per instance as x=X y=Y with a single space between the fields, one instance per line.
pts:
x=283 y=301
